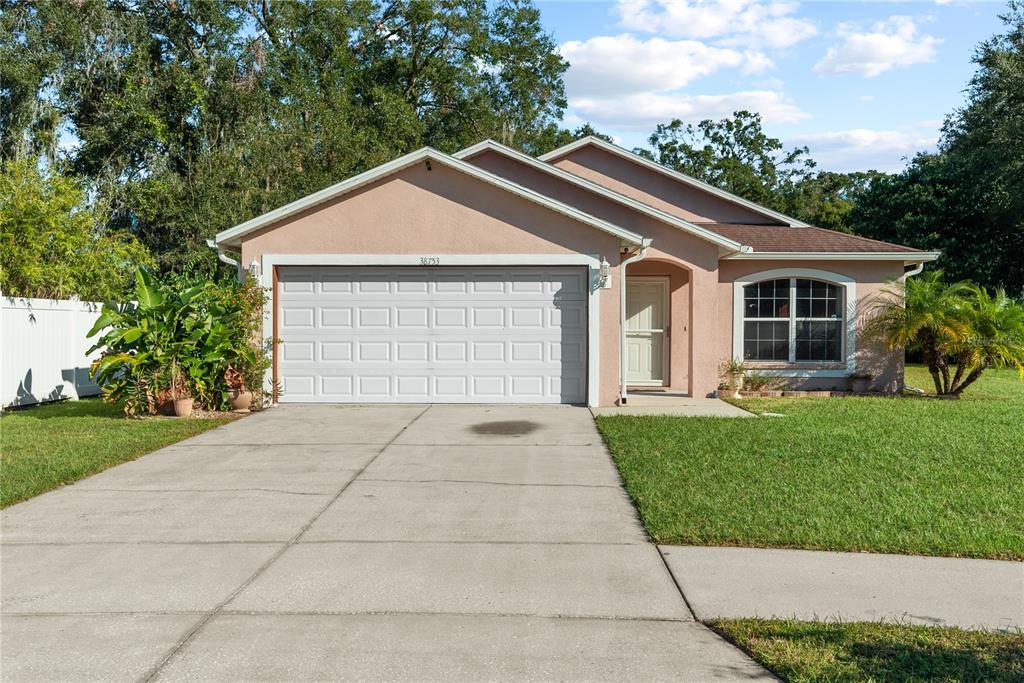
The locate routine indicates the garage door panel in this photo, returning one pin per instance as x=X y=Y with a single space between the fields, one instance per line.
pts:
x=425 y=335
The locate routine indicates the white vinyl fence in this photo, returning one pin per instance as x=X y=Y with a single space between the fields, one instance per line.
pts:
x=43 y=349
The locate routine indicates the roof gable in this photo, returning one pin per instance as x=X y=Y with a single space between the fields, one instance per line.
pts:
x=676 y=176
x=726 y=243
x=232 y=236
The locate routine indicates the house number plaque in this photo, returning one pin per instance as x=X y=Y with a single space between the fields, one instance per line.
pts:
x=430 y=261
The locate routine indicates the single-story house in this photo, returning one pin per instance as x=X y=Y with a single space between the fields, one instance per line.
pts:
x=490 y=276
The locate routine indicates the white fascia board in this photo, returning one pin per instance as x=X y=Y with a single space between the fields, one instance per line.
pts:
x=676 y=175
x=573 y=179
x=328 y=193
x=907 y=256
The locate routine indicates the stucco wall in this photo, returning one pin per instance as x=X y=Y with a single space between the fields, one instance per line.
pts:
x=653 y=188
x=439 y=212
x=871 y=278
x=695 y=259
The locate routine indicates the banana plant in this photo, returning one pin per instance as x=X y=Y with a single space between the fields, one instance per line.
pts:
x=194 y=328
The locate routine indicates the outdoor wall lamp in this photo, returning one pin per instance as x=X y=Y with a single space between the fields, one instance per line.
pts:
x=254 y=269
x=604 y=274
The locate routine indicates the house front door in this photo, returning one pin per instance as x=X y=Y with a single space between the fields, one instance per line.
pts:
x=647 y=331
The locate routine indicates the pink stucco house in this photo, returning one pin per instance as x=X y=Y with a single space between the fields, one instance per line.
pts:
x=490 y=276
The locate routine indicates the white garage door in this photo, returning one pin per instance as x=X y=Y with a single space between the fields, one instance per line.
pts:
x=437 y=335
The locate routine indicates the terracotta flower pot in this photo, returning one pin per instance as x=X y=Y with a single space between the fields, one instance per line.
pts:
x=183 y=407
x=240 y=401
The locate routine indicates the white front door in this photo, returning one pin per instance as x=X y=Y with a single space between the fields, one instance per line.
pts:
x=647 y=330
x=432 y=335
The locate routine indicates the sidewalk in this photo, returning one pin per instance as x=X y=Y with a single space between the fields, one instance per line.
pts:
x=817 y=585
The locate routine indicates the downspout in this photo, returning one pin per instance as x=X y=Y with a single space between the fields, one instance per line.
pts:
x=623 y=360
x=224 y=258
x=916 y=270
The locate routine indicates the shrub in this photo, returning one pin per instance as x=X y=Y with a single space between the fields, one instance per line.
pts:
x=958 y=324
x=52 y=243
x=760 y=381
x=200 y=328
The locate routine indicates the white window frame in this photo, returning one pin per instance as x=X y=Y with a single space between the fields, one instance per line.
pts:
x=849 y=307
x=268 y=262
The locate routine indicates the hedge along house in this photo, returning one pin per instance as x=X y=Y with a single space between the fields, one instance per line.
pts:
x=494 y=277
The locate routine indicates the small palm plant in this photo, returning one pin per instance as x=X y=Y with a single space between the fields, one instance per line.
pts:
x=996 y=338
x=958 y=324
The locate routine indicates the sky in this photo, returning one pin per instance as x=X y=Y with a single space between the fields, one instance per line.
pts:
x=865 y=85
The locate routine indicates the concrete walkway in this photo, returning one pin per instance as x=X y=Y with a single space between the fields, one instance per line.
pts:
x=675 y=406
x=814 y=585
x=393 y=542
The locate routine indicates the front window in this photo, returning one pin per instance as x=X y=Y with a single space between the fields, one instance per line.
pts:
x=792 y=320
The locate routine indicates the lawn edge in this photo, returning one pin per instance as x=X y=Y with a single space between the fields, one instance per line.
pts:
x=222 y=420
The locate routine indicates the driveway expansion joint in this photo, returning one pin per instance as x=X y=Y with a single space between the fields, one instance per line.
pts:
x=89 y=489
x=208 y=616
x=425 y=613
x=490 y=483
x=463 y=541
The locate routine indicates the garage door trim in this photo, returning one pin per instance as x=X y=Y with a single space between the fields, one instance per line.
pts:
x=269 y=263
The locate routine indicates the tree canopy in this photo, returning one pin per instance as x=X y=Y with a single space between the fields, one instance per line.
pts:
x=967 y=199
x=735 y=154
x=52 y=243
x=191 y=116
x=182 y=118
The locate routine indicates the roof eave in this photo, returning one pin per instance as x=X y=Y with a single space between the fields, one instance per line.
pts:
x=232 y=236
x=723 y=242
x=904 y=256
x=682 y=177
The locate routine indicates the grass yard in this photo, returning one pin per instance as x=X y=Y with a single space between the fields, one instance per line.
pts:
x=813 y=651
x=900 y=475
x=47 y=446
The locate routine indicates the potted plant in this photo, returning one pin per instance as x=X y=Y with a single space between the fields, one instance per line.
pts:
x=860 y=382
x=239 y=395
x=180 y=392
x=734 y=370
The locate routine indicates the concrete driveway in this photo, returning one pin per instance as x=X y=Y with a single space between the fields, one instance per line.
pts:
x=391 y=542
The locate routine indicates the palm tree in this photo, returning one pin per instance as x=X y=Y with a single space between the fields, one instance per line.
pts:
x=922 y=314
x=996 y=338
x=959 y=322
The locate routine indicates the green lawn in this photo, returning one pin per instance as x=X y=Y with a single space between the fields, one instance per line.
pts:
x=812 y=651
x=902 y=475
x=47 y=446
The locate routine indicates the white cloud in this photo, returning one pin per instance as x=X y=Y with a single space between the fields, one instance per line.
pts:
x=624 y=64
x=738 y=22
x=867 y=98
x=860 y=149
x=641 y=111
x=756 y=62
x=889 y=44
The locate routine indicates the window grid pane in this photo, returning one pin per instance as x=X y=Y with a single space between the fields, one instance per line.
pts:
x=818 y=340
x=765 y=340
x=815 y=299
x=768 y=299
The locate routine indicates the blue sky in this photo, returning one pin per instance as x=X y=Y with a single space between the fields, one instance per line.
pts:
x=863 y=84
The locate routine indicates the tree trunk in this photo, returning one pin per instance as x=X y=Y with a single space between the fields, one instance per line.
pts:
x=931 y=359
x=975 y=374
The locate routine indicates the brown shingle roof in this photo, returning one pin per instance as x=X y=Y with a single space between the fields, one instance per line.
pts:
x=782 y=238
